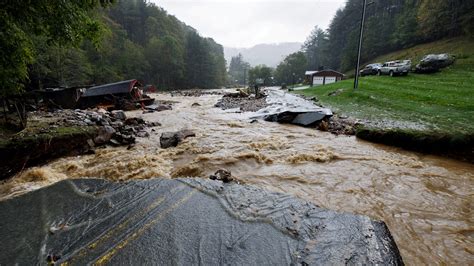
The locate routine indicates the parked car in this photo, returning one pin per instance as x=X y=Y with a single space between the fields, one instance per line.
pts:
x=396 y=68
x=371 y=69
x=433 y=63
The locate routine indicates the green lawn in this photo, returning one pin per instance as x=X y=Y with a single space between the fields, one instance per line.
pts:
x=441 y=102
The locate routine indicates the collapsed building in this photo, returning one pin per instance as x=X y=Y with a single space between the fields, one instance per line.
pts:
x=125 y=95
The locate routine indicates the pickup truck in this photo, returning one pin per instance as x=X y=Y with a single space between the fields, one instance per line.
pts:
x=395 y=68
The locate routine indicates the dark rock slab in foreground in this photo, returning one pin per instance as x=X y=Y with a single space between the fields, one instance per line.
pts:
x=184 y=222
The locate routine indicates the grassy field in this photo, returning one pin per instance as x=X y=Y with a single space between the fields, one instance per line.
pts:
x=440 y=104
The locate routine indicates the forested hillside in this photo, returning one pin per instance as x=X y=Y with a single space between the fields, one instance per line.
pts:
x=137 y=40
x=390 y=25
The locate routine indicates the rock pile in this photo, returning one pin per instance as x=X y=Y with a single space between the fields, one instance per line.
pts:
x=195 y=93
x=339 y=125
x=243 y=101
x=114 y=127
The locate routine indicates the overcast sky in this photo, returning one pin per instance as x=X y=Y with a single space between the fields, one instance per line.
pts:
x=244 y=23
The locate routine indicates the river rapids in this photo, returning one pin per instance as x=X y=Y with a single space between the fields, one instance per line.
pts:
x=426 y=201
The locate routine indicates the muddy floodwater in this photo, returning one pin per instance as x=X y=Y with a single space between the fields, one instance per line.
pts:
x=426 y=201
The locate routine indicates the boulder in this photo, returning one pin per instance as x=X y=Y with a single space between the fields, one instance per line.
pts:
x=185 y=133
x=104 y=134
x=119 y=114
x=222 y=175
x=134 y=121
x=159 y=107
x=143 y=134
x=183 y=222
x=154 y=124
x=169 y=139
x=172 y=139
x=101 y=111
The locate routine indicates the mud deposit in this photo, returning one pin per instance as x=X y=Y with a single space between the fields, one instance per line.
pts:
x=426 y=201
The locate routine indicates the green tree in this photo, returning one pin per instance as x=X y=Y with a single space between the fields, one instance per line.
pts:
x=64 y=22
x=166 y=57
x=261 y=72
x=57 y=66
x=292 y=68
x=441 y=18
x=315 y=48
x=238 y=70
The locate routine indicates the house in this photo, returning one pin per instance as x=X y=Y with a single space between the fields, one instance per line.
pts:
x=115 y=93
x=323 y=77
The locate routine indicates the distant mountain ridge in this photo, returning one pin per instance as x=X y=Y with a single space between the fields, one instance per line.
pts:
x=267 y=54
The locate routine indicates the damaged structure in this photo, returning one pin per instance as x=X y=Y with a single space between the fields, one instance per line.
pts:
x=122 y=95
x=287 y=108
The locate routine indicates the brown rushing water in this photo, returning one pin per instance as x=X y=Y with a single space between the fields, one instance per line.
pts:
x=426 y=201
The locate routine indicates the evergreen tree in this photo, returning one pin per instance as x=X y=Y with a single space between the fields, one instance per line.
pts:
x=261 y=72
x=315 y=48
x=292 y=69
x=238 y=70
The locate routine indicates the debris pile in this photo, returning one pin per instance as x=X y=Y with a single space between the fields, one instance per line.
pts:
x=124 y=95
x=195 y=93
x=114 y=127
x=339 y=125
x=242 y=100
x=335 y=124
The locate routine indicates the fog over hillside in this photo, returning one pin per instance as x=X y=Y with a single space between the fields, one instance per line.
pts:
x=268 y=54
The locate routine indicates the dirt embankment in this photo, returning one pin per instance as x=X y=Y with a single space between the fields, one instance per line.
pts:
x=399 y=134
x=51 y=135
x=19 y=153
x=460 y=148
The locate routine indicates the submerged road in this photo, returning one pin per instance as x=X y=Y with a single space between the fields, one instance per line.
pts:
x=426 y=201
x=183 y=222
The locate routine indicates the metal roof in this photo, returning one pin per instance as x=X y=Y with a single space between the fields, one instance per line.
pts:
x=121 y=87
x=310 y=73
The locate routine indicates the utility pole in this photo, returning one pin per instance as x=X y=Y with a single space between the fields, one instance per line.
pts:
x=356 y=79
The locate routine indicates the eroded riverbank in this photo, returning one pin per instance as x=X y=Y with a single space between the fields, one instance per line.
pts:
x=425 y=200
